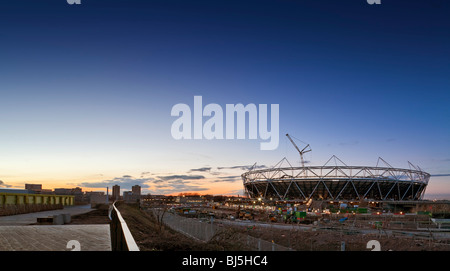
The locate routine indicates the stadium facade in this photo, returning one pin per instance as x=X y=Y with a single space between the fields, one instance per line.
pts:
x=338 y=182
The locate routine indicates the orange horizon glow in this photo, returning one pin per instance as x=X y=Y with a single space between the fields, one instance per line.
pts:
x=216 y=190
x=210 y=187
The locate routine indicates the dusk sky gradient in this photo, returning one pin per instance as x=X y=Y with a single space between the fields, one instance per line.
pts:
x=87 y=90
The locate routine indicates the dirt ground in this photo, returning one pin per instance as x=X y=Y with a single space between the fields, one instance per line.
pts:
x=150 y=235
x=324 y=240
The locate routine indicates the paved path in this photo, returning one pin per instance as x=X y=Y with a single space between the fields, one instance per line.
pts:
x=17 y=233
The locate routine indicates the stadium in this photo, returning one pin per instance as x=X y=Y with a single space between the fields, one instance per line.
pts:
x=336 y=182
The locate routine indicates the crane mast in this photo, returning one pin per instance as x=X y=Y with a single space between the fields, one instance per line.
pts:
x=303 y=151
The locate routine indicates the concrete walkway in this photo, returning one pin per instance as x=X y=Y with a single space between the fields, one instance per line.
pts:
x=55 y=238
x=16 y=233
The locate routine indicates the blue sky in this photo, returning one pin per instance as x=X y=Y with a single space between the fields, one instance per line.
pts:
x=87 y=89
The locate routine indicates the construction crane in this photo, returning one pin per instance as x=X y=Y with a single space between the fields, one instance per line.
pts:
x=303 y=151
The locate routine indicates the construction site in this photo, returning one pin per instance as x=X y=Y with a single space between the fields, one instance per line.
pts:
x=251 y=227
x=334 y=207
x=331 y=207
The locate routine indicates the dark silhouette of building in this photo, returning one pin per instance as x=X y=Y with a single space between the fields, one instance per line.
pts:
x=36 y=188
x=115 y=192
x=136 y=189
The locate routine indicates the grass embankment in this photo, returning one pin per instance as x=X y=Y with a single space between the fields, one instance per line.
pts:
x=150 y=235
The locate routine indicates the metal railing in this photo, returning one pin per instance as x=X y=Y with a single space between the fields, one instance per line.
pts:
x=121 y=238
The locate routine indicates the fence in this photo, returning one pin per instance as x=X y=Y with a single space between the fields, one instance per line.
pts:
x=259 y=244
x=206 y=229
x=121 y=238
